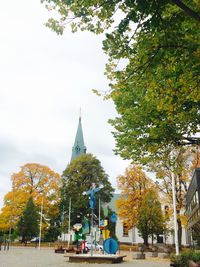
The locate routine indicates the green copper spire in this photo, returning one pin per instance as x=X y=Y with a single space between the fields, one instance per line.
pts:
x=79 y=147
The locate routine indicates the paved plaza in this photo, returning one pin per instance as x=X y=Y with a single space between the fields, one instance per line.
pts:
x=32 y=257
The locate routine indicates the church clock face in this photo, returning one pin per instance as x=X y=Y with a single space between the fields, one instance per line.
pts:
x=77 y=148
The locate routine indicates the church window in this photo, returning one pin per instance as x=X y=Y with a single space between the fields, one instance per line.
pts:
x=125 y=230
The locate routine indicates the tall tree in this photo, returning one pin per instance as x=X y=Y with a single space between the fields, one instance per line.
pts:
x=181 y=163
x=36 y=181
x=156 y=91
x=150 y=217
x=54 y=229
x=154 y=68
x=133 y=185
x=28 y=225
x=77 y=178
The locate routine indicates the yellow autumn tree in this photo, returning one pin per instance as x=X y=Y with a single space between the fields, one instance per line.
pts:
x=133 y=184
x=181 y=163
x=36 y=181
x=195 y=152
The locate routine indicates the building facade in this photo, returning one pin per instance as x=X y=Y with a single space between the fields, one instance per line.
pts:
x=193 y=205
x=132 y=236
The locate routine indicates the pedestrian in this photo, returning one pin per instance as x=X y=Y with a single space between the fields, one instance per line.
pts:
x=6 y=245
x=1 y=241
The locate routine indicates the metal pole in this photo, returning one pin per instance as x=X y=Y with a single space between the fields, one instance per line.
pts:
x=63 y=218
x=91 y=234
x=11 y=217
x=63 y=225
x=69 y=237
x=175 y=215
x=40 y=223
x=99 y=212
x=99 y=231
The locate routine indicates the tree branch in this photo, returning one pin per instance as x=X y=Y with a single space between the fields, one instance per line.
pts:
x=187 y=10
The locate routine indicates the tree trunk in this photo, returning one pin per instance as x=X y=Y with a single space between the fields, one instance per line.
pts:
x=146 y=240
x=179 y=229
x=23 y=239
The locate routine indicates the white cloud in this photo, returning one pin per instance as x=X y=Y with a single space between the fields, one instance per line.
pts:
x=44 y=81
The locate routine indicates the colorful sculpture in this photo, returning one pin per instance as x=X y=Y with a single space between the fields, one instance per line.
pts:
x=110 y=246
x=91 y=194
x=113 y=218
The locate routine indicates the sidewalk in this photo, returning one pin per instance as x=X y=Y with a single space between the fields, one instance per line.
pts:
x=33 y=257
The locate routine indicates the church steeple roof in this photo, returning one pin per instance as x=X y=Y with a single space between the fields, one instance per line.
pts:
x=79 y=146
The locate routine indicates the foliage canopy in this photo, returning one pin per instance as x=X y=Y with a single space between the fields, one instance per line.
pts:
x=36 y=181
x=156 y=91
x=77 y=178
x=133 y=185
x=150 y=218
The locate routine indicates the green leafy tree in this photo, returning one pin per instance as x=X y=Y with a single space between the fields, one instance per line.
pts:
x=150 y=217
x=98 y=16
x=54 y=229
x=28 y=225
x=181 y=163
x=154 y=69
x=77 y=178
x=156 y=91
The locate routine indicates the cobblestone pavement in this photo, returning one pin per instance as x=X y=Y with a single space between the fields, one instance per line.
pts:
x=32 y=257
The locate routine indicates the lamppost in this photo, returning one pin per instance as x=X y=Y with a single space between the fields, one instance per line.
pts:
x=69 y=222
x=63 y=217
x=175 y=215
x=69 y=214
x=99 y=212
x=11 y=217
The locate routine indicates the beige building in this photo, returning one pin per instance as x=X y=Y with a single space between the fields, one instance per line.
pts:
x=132 y=236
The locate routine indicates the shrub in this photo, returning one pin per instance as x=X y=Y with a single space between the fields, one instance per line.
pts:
x=183 y=259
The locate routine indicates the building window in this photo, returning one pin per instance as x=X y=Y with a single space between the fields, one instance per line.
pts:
x=125 y=230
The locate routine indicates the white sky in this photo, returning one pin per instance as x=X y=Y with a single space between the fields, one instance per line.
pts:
x=44 y=80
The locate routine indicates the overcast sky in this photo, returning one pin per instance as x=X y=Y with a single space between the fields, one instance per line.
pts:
x=44 y=80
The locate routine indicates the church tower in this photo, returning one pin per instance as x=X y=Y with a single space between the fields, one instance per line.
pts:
x=79 y=147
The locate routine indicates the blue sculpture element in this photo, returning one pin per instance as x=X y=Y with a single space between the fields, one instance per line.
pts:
x=110 y=246
x=91 y=194
x=102 y=223
x=113 y=218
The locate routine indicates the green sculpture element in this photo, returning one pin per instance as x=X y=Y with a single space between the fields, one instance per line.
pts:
x=86 y=228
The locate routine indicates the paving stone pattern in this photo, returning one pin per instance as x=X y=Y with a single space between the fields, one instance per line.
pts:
x=33 y=257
